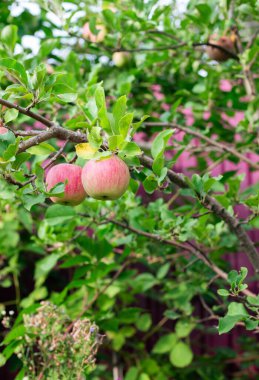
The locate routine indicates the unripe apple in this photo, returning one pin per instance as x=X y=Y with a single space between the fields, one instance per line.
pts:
x=218 y=54
x=3 y=130
x=70 y=174
x=106 y=179
x=88 y=35
x=120 y=58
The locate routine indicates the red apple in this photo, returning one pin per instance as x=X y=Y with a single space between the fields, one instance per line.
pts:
x=106 y=179
x=218 y=54
x=3 y=130
x=74 y=192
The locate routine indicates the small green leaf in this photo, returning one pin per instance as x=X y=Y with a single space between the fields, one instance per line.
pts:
x=227 y=323
x=44 y=266
x=31 y=199
x=115 y=142
x=94 y=137
x=132 y=374
x=58 y=214
x=2 y=360
x=16 y=69
x=11 y=115
x=150 y=184
x=165 y=344
x=9 y=36
x=118 y=111
x=253 y=300
x=144 y=322
x=181 y=355
x=251 y=324
x=160 y=142
x=163 y=270
x=15 y=333
x=43 y=149
x=183 y=328
x=125 y=123
x=223 y=292
x=100 y=97
x=67 y=98
x=131 y=149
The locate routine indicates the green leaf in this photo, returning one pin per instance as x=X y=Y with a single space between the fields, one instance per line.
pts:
x=115 y=142
x=158 y=164
x=227 y=323
x=67 y=98
x=131 y=149
x=144 y=281
x=236 y=312
x=9 y=36
x=16 y=69
x=165 y=344
x=94 y=137
x=15 y=333
x=251 y=324
x=253 y=300
x=150 y=184
x=232 y=276
x=58 y=214
x=44 y=266
x=144 y=322
x=118 y=112
x=144 y=376
x=9 y=154
x=125 y=123
x=20 y=375
x=181 y=355
x=46 y=48
x=183 y=328
x=31 y=199
x=11 y=115
x=205 y=11
x=163 y=270
x=223 y=292
x=101 y=105
x=43 y=149
x=2 y=360
x=20 y=159
x=160 y=142
x=132 y=374
x=235 y=308
x=100 y=97
x=136 y=125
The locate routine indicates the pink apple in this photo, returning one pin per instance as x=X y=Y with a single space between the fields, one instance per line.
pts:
x=88 y=35
x=74 y=192
x=3 y=130
x=106 y=179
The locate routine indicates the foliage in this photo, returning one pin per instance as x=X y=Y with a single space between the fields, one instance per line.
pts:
x=171 y=238
x=53 y=346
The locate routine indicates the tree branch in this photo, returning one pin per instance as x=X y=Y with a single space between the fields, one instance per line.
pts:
x=222 y=147
x=212 y=205
x=192 y=248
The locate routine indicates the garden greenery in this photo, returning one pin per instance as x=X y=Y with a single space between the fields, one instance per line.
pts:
x=82 y=80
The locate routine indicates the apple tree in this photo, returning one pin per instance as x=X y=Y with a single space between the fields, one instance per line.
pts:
x=129 y=189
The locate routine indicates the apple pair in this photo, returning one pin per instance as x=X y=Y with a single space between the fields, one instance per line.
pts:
x=105 y=179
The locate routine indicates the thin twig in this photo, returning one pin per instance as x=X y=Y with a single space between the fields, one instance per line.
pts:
x=222 y=147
